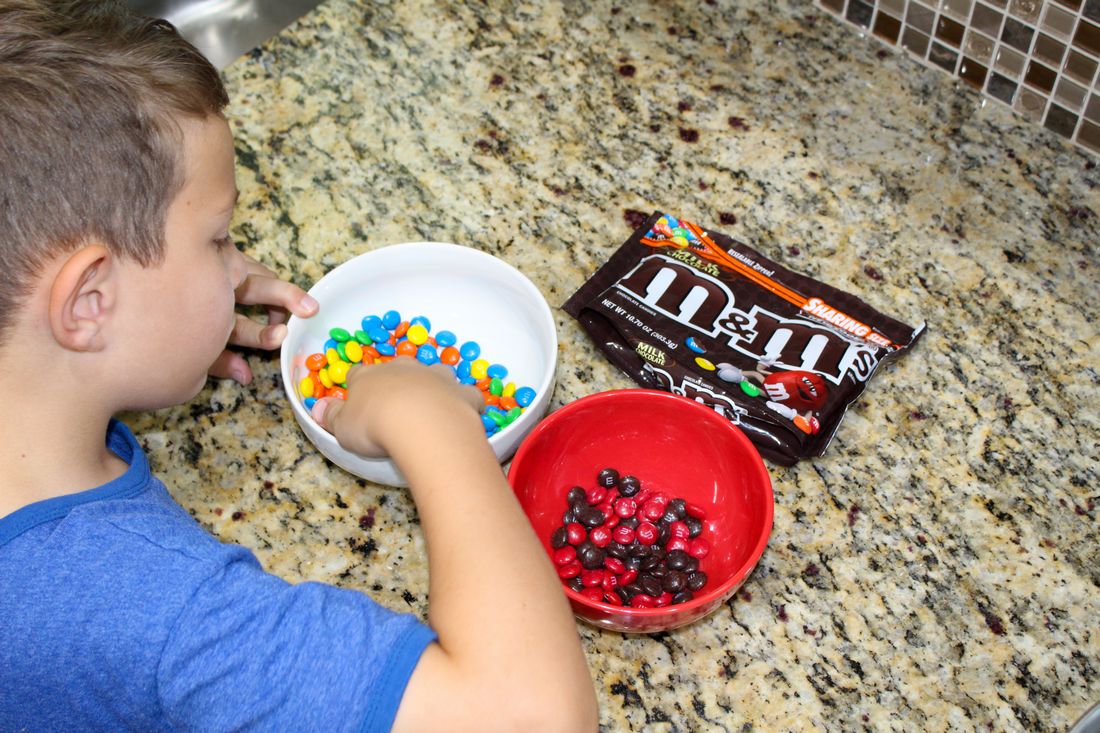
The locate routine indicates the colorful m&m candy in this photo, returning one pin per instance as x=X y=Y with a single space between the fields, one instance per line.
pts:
x=384 y=338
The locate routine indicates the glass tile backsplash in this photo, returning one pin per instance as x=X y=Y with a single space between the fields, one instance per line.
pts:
x=1038 y=57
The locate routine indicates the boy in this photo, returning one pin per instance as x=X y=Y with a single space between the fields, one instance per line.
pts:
x=116 y=610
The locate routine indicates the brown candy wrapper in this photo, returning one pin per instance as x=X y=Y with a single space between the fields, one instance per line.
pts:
x=704 y=316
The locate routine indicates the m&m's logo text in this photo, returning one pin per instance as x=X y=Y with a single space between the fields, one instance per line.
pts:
x=708 y=305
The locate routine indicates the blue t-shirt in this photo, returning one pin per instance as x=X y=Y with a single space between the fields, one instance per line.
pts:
x=119 y=612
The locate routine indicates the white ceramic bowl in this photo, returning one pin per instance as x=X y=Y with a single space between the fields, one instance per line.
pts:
x=459 y=289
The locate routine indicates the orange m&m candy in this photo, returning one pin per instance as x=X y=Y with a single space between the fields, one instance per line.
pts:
x=450 y=356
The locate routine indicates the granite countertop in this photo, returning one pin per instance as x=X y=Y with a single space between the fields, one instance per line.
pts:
x=938 y=569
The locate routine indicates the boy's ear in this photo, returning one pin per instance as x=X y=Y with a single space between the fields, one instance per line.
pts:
x=82 y=297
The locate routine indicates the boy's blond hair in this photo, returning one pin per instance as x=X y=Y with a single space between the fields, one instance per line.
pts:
x=90 y=147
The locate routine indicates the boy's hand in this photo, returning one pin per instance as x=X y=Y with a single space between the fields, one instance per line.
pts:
x=261 y=287
x=392 y=403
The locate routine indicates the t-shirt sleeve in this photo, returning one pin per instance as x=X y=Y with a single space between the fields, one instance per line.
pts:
x=249 y=651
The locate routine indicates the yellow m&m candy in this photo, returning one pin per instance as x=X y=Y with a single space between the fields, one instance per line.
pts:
x=417 y=334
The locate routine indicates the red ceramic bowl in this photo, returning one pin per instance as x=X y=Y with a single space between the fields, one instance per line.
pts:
x=673 y=445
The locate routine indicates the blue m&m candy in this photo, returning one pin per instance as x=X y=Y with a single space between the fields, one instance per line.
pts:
x=497 y=371
x=694 y=345
x=524 y=396
x=427 y=354
x=390 y=319
x=470 y=350
x=385 y=349
x=445 y=339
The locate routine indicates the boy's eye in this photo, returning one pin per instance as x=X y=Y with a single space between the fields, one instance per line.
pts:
x=225 y=241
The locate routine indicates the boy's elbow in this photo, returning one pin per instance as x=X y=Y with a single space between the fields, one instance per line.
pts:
x=558 y=716
x=522 y=699
x=561 y=711
x=578 y=720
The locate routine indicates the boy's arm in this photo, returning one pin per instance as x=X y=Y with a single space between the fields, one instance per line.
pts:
x=508 y=656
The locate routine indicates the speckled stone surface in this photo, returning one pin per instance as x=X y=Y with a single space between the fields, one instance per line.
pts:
x=939 y=568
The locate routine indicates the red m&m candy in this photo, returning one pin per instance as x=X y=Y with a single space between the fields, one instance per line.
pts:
x=631 y=547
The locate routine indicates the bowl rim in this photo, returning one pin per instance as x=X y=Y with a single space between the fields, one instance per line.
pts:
x=546 y=381
x=704 y=413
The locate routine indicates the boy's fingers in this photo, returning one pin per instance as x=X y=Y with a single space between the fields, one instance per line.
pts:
x=256 y=267
x=325 y=411
x=470 y=393
x=473 y=397
x=442 y=371
x=354 y=373
x=230 y=365
x=276 y=316
x=253 y=335
x=267 y=290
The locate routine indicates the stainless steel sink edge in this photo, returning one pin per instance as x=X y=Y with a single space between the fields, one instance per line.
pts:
x=224 y=30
